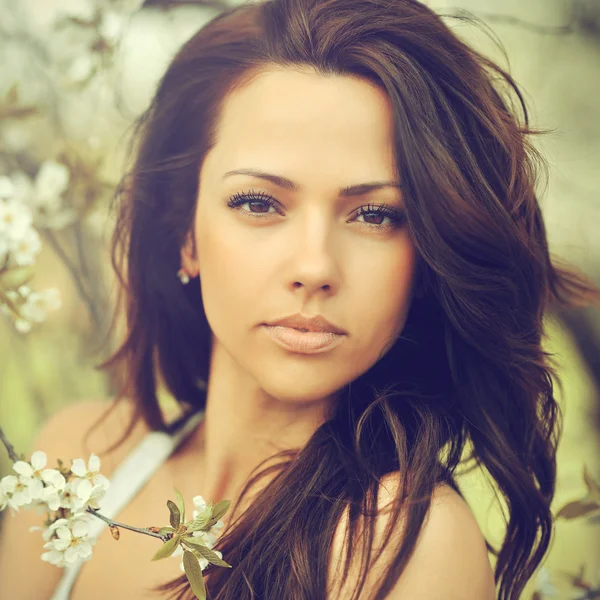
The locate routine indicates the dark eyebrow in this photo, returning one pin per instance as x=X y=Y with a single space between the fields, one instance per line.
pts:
x=351 y=190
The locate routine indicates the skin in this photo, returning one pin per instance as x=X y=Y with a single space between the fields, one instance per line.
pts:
x=312 y=254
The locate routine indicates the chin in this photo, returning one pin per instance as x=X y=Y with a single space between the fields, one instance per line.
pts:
x=302 y=393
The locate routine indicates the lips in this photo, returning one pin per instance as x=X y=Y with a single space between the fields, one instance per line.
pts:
x=310 y=342
x=309 y=324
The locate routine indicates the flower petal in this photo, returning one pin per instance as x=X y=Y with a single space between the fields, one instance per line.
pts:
x=39 y=460
x=21 y=497
x=23 y=468
x=59 y=523
x=100 y=480
x=54 y=503
x=71 y=555
x=53 y=477
x=85 y=550
x=64 y=533
x=35 y=488
x=53 y=557
x=199 y=502
x=9 y=483
x=78 y=467
x=83 y=489
x=61 y=545
x=80 y=529
x=94 y=463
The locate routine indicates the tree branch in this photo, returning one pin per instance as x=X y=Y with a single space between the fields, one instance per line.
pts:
x=9 y=447
x=111 y=523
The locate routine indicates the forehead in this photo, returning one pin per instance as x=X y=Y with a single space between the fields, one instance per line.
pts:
x=306 y=124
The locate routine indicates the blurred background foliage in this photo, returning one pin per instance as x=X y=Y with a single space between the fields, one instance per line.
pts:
x=74 y=76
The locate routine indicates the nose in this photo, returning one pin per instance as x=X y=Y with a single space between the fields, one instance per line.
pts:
x=314 y=265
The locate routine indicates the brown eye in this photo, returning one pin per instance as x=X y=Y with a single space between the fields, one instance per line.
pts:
x=258 y=203
x=253 y=199
x=397 y=217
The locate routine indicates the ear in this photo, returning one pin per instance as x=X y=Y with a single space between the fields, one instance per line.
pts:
x=189 y=260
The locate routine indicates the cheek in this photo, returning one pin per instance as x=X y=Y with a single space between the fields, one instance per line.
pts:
x=386 y=292
x=229 y=274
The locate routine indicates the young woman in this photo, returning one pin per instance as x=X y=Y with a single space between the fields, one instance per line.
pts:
x=331 y=250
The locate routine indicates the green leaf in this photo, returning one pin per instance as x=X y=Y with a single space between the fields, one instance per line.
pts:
x=207 y=553
x=165 y=530
x=579 y=508
x=194 y=574
x=220 y=509
x=167 y=548
x=175 y=514
x=180 y=504
x=199 y=523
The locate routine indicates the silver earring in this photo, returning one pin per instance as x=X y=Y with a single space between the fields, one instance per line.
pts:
x=183 y=276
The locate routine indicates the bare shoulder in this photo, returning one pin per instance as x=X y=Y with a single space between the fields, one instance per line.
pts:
x=65 y=434
x=450 y=544
x=23 y=574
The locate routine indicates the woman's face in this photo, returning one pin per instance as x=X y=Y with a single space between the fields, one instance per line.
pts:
x=312 y=252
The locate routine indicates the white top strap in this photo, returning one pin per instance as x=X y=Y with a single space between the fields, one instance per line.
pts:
x=125 y=482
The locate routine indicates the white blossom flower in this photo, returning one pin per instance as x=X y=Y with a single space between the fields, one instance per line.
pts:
x=89 y=484
x=15 y=220
x=7 y=188
x=199 y=505
x=51 y=182
x=77 y=516
x=52 y=496
x=8 y=485
x=70 y=499
x=44 y=194
x=68 y=541
x=35 y=474
x=24 y=249
x=14 y=493
x=22 y=187
x=38 y=304
x=22 y=326
x=78 y=468
x=32 y=306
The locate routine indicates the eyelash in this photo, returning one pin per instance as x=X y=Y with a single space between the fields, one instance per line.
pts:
x=397 y=217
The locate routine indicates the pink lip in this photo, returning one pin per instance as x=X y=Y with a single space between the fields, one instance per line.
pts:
x=310 y=342
x=316 y=323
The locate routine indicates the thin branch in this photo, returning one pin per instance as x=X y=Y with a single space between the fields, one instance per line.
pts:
x=145 y=531
x=9 y=447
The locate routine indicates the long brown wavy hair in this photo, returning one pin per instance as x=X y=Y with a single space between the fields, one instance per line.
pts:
x=469 y=367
